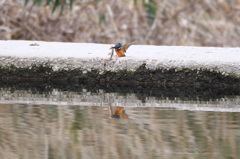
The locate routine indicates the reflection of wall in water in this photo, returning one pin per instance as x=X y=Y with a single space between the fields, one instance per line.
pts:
x=85 y=98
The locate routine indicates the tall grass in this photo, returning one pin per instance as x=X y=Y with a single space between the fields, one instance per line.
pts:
x=55 y=3
x=158 y=22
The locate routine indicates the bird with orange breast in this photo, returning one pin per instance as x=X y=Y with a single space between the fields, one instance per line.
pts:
x=120 y=49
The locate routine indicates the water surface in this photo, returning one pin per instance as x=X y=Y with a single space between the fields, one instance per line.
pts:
x=104 y=124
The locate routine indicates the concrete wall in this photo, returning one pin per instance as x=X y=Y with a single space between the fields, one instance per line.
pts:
x=143 y=65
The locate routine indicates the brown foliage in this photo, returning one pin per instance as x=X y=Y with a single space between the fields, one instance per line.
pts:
x=186 y=22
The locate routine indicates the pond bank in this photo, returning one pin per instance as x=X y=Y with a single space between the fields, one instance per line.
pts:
x=143 y=65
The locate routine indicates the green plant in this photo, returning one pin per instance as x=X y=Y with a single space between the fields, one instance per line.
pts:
x=150 y=7
x=54 y=3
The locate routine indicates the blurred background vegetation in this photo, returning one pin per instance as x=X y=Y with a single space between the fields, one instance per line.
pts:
x=157 y=22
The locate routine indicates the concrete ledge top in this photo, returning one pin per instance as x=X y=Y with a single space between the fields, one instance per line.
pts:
x=138 y=52
x=227 y=60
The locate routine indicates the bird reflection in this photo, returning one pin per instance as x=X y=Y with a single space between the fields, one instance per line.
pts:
x=118 y=113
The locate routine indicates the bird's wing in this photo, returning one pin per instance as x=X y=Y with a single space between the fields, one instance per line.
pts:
x=126 y=46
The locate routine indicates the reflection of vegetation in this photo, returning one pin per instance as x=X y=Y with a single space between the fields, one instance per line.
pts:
x=151 y=134
x=225 y=148
x=52 y=111
x=0 y=136
x=196 y=128
x=234 y=117
x=79 y=120
x=238 y=143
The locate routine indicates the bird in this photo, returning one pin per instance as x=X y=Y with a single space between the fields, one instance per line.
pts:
x=120 y=49
x=118 y=113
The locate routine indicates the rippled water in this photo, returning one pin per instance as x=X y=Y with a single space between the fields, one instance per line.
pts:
x=105 y=125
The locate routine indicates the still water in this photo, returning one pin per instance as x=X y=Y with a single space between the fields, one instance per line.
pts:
x=63 y=124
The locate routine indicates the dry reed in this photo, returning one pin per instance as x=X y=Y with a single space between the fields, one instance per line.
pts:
x=186 y=22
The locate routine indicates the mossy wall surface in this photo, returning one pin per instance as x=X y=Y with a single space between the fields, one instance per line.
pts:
x=142 y=76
